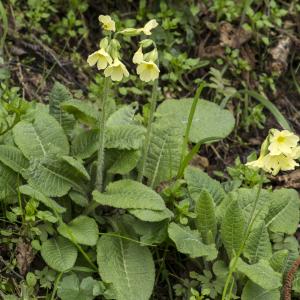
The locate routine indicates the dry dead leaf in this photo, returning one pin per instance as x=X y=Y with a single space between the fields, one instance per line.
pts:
x=24 y=256
x=290 y=180
x=232 y=36
x=280 y=55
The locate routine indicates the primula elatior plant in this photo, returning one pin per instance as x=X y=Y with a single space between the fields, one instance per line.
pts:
x=107 y=197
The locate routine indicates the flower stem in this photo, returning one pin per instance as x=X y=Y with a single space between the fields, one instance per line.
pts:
x=101 y=150
x=241 y=249
x=153 y=102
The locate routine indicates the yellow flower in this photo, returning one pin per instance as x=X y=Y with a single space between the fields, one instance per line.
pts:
x=107 y=23
x=295 y=153
x=101 y=58
x=282 y=142
x=149 y=26
x=256 y=164
x=138 y=56
x=116 y=70
x=148 y=71
x=274 y=163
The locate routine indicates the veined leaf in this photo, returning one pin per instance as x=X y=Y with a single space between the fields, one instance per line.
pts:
x=124 y=161
x=82 y=230
x=8 y=182
x=258 y=245
x=77 y=166
x=79 y=198
x=284 y=211
x=13 y=158
x=128 y=266
x=83 y=111
x=189 y=242
x=261 y=274
x=29 y=191
x=54 y=177
x=233 y=228
x=163 y=158
x=41 y=137
x=279 y=260
x=124 y=137
x=197 y=180
x=85 y=144
x=123 y=116
x=206 y=220
x=252 y=291
x=204 y=125
x=59 y=254
x=129 y=194
x=246 y=199
x=151 y=215
x=71 y=289
x=59 y=94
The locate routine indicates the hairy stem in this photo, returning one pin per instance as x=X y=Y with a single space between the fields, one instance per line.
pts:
x=153 y=102
x=229 y=279
x=101 y=150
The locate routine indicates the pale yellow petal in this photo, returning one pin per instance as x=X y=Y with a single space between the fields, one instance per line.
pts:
x=92 y=58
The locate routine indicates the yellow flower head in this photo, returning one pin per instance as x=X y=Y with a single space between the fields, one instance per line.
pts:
x=282 y=142
x=101 y=58
x=149 y=26
x=274 y=163
x=148 y=71
x=138 y=56
x=107 y=23
x=116 y=70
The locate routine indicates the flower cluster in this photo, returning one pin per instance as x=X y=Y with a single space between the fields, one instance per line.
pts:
x=279 y=151
x=108 y=58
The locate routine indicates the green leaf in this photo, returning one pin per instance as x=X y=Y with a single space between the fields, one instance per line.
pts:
x=59 y=254
x=296 y=282
x=129 y=194
x=123 y=116
x=246 y=199
x=279 y=260
x=197 y=180
x=189 y=242
x=41 y=137
x=261 y=274
x=54 y=177
x=204 y=125
x=77 y=166
x=82 y=111
x=124 y=161
x=29 y=191
x=79 y=198
x=284 y=211
x=71 y=289
x=13 y=158
x=206 y=221
x=124 y=137
x=232 y=228
x=163 y=158
x=252 y=291
x=128 y=266
x=8 y=182
x=59 y=94
x=82 y=230
x=258 y=245
x=85 y=144
x=151 y=215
